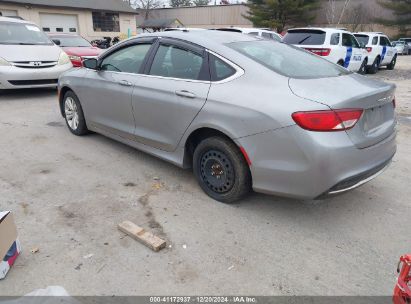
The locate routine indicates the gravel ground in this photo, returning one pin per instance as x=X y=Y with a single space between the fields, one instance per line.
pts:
x=69 y=193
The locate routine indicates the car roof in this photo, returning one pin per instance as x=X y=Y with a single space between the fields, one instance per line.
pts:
x=14 y=20
x=208 y=38
x=370 y=33
x=325 y=29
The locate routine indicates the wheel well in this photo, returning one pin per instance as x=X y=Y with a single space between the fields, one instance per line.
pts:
x=195 y=138
x=340 y=62
x=63 y=92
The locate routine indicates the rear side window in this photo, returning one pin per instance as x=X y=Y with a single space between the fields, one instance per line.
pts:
x=375 y=40
x=266 y=35
x=171 y=61
x=253 y=33
x=305 y=37
x=127 y=60
x=288 y=60
x=335 y=39
x=363 y=39
x=220 y=70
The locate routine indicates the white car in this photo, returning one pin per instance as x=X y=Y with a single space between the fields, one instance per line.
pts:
x=336 y=45
x=28 y=58
x=408 y=41
x=380 y=51
x=402 y=47
x=265 y=33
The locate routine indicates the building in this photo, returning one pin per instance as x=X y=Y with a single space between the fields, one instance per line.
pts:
x=210 y=16
x=90 y=18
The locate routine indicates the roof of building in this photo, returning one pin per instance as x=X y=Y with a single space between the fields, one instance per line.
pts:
x=101 y=5
x=160 y=23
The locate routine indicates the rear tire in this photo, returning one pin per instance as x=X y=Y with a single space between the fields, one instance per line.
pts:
x=392 y=64
x=221 y=170
x=363 y=68
x=374 y=67
x=73 y=114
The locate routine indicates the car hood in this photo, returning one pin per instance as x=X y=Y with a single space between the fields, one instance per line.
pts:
x=82 y=51
x=348 y=91
x=15 y=53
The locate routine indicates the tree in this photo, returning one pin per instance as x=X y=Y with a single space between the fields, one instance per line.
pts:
x=200 y=2
x=277 y=14
x=179 y=3
x=401 y=10
x=145 y=6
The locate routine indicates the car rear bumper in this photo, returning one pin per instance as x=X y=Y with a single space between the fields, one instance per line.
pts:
x=301 y=164
x=12 y=77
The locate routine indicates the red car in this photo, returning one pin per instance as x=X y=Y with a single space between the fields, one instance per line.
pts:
x=76 y=47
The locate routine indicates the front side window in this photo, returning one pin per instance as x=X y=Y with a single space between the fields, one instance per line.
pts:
x=384 y=41
x=288 y=60
x=305 y=37
x=349 y=40
x=127 y=60
x=21 y=33
x=106 y=22
x=266 y=35
x=174 y=62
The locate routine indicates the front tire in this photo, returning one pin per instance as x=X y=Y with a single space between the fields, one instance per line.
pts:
x=73 y=114
x=392 y=64
x=221 y=170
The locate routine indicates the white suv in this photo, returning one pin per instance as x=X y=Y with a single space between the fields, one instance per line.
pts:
x=336 y=45
x=380 y=51
x=265 y=33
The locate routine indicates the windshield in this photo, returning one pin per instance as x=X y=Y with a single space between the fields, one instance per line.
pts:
x=362 y=39
x=288 y=60
x=21 y=33
x=305 y=37
x=72 y=41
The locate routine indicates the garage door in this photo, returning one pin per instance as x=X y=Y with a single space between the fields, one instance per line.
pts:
x=59 y=23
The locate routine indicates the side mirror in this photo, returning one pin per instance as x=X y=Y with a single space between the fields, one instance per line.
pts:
x=90 y=63
x=56 y=41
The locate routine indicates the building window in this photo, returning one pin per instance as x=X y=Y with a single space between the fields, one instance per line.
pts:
x=73 y=30
x=46 y=29
x=59 y=29
x=106 y=22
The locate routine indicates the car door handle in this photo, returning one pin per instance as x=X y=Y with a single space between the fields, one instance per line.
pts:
x=125 y=83
x=184 y=93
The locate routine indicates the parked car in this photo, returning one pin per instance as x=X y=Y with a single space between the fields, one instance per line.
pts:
x=244 y=112
x=336 y=45
x=380 y=51
x=183 y=29
x=28 y=58
x=408 y=41
x=265 y=33
x=402 y=47
x=76 y=47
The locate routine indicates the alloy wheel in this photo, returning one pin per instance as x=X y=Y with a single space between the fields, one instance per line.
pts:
x=71 y=112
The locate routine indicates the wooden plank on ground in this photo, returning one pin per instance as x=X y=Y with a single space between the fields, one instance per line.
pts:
x=147 y=238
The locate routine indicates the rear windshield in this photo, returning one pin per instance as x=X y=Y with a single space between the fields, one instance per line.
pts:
x=288 y=60
x=72 y=41
x=364 y=39
x=305 y=37
x=22 y=34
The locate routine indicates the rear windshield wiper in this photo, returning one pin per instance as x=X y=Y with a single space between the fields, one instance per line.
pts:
x=304 y=39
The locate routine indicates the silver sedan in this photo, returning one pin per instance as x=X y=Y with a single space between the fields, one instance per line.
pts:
x=243 y=112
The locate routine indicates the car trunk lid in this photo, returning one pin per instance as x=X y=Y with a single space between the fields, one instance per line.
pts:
x=354 y=92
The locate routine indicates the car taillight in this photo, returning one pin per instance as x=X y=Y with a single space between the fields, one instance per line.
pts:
x=369 y=49
x=320 y=52
x=328 y=121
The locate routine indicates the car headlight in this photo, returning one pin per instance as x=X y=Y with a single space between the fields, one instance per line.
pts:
x=4 y=62
x=64 y=59
x=75 y=58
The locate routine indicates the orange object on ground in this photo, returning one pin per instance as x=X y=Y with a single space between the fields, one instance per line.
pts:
x=402 y=290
